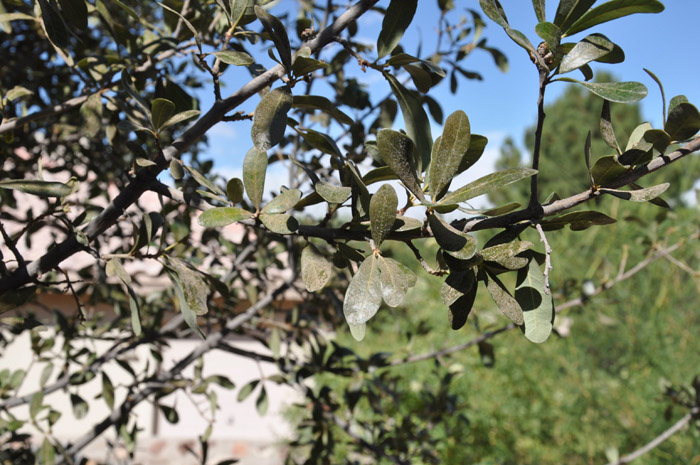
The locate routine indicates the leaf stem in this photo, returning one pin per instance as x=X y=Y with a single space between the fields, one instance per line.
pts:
x=544 y=80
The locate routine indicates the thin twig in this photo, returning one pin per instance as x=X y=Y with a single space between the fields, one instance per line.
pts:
x=12 y=245
x=422 y=261
x=694 y=412
x=547 y=257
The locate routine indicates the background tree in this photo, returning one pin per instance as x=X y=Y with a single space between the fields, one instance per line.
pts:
x=98 y=104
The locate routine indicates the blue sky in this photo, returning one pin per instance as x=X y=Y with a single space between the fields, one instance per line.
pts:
x=504 y=103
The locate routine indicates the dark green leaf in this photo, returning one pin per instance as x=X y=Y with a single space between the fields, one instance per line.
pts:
x=550 y=33
x=661 y=89
x=203 y=181
x=234 y=190
x=606 y=170
x=448 y=152
x=591 y=48
x=161 y=111
x=501 y=253
x=401 y=59
x=537 y=305
x=270 y=118
x=254 y=168
x=460 y=291
x=587 y=156
x=415 y=121
x=55 y=29
x=420 y=77
x=383 y=173
x=107 y=391
x=320 y=141
x=195 y=289
x=222 y=216
x=521 y=39
x=486 y=184
x=505 y=302
x=35 y=187
x=262 y=403
x=131 y=90
x=240 y=9
x=169 y=413
x=477 y=145
x=232 y=57
x=186 y=23
x=406 y=223
x=305 y=65
x=75 y=13
x=675 y=101
x=188 y=313
x=398 y=17
x=323 y=104
x=315 y=268
x=683 y=122
x=577 y=221
x=331 y=193
x=639 y=195
x=494 y=10
x=364 y=294
x=46 y=454
x=382 y=213
x=454 y=242
x=538 y=5
x=278 y=33
x=176 y=170
x=280 y=223
x=621 y=92
x=80 y=407
x=397 y=151
x=569 y=11
x=612 y=10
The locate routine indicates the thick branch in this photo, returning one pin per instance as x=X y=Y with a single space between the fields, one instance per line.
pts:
x=144 y=178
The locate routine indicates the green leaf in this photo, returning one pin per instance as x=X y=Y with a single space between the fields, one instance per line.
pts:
x=283 y=202
x=612 y=10
x=505 y=302
x=569 y=11
x=383 y=173
x=17 y=92
x=55 y=29
x=639 y=195
x=395 y=281
x=321 y=103
x=621 y=92
x=401 y=59
x=415 y=121
x=521 y=39
x=107 y=391
x=232 y=57
x=675 y=101
x=494 y=10
x=320 y=141
x=331 y=193
x=80 y=407
x=502 y=253
x=186 y=23
x=169 y=413
x=683 y=122
x=550 y=33
x=46 y=454
x=587 y=156
x=270 y=118
x=45 y=374
x=222 y=216
x=486 y=184
x=35 y=404
x=477 y=145
x=254 y=168
x=397 y=151
x=637 y=136
x=278 y=33
x=536 y=304
x=280 y=223
x=91 y=111
x=195 y=289
x=35 y=187
x=203 y=181
x=454 y=242
x=398 y=17
x=420 y=77
x=315 y=268
x=180 y=117
x=304 y=65
x=247 y=390
x=448 y=152
x=161 y=111
x=176 y=170
x=262 y=403
x=382 y=213
x=406 y=223
x=131 y=90
x=661 y=89
x=234 y=190
x=606 y=128
x=458 y=294
x=364 y=294
x=577 y=221
x=358 y=331
x=606 y=170
x=240 y=9
x=538 y=5
x=591 y=48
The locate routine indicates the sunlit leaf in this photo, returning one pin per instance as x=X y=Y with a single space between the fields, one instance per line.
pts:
x=550 y=33
x=621 y=92
x=486 y=184
x=331 y=193
x=283 y=202
x=538 y=5
x=521 y=39
x=315 y=268
x=321 y=103
x=612 y=10
x=536 y=304
x=280 y=223
x=232 y=57
x=254 y=168
x=505 y=302
x=569 y=11
x=35 y=187
x=456 y=243
x=180 y=117
x=364 y=294
x=270 y=118
x=247 y=390
x=222 y=216
x=494 y=10
x=234 y=190
x=639 y=195
x=397 y=151
x=161 y=111
x=591 y=48
x=395 y=280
